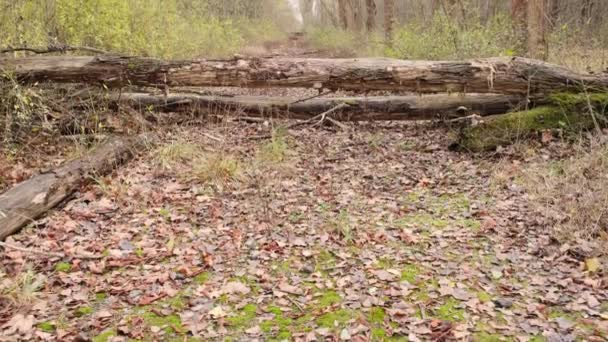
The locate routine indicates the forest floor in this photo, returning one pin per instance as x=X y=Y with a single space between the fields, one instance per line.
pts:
x=377 y=233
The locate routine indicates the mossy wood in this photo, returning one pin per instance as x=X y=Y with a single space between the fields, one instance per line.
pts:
x=31 y=199
x=358 y=108
x=516 y=75
x=568 y=112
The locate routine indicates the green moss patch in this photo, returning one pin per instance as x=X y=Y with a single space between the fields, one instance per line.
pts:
x=422 y=220
x=483 y=296
x=63 y=267
x=104 y=336
x=279 y=326
x=336 y=319
x=328 y=299
x=410 y=273
x=244 y=318
x=377 y=315
x=101 y=296
x=450 y=311
x=202 y=278
x=84 y=311
x=487 y=337
x=509 y=128
x=46 y=326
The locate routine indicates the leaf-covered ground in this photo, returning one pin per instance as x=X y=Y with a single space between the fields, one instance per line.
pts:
x=379 y=233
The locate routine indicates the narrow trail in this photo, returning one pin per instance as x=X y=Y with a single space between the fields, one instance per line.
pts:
x=377 y=233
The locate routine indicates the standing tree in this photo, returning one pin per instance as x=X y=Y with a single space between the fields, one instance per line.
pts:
x=371 y=15
x=343 y=14
x=389 y=21
x=518 y=16
x=537 y=44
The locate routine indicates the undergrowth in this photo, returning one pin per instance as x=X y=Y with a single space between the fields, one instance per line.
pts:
x=168 y=29
x=573 y=192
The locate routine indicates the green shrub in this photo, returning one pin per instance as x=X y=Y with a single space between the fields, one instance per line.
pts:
x=168 y=29
x=444 y=39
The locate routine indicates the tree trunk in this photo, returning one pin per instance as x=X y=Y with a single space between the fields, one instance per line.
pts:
x=491 y=75
x=518 y=15
x=31 y=199
x=486 y=11
x=389 y=21
x=358 y=108
x=343 y=14
x=372 y=11
x=306 y=10
x=356 y=15
x=537 y=45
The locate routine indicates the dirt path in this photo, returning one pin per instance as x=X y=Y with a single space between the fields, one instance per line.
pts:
x=375 y=234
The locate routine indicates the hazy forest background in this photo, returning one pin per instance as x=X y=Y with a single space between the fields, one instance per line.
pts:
x=567 y=32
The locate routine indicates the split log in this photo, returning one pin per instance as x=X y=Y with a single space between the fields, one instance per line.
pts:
x=358 y=108
x=519 y=76
x=29 y=200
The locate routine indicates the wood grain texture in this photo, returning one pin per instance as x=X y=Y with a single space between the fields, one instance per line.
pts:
x=31 y=199
x=518 y=76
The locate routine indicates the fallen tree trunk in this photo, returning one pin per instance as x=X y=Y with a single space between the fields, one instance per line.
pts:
x=492 y=75
x=567 y=113
x=358 y=108
x=31 y=199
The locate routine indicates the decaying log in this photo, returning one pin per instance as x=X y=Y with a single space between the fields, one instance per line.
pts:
x=29 y=200
x=358 y=108
x=503 y=130
x=501 y=75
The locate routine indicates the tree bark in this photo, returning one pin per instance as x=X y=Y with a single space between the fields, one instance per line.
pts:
x=31 y=199
x=389 y=21
x=520 y=76
x=343 y=14
x=537 y=45
x=518 y=16
x=372 y=11
x=358 y=108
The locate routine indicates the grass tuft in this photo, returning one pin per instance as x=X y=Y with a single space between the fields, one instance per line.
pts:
x=216 y=168
x=175 y=154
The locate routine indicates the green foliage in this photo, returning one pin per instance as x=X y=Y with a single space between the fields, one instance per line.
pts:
x=275 y=151
x=63 y=267
x=443 y=39
x=340 y=41
x=169 y=29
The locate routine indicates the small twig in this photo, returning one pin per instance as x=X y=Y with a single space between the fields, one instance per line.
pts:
x=213 y=137
x=311 y=97
x=337 y=123
x=295 y=302
x=58 y=48
x=319 y=117
x=7 y=245
x=422 y=311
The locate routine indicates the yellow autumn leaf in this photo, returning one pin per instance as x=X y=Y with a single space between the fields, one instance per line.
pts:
x=592 y=265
